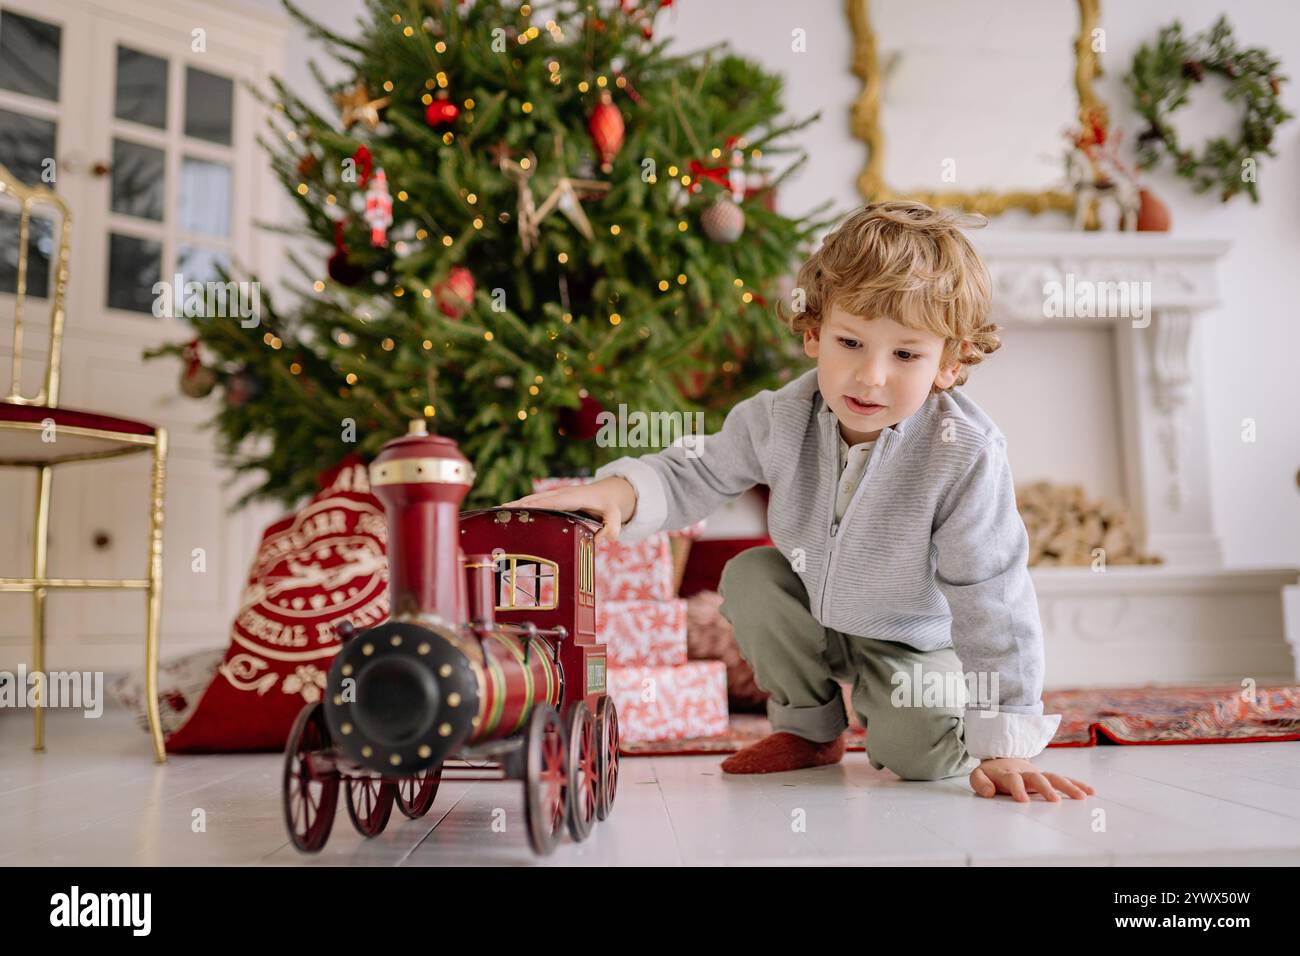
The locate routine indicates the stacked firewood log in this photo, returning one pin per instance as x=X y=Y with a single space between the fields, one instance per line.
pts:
x=1066 y=528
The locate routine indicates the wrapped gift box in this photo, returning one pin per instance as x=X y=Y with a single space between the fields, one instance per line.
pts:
x=643 y=633
x=670 y=703
x=641 y=571
x=691 y=531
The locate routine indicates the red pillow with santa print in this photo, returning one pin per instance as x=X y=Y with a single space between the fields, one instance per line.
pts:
x=316 y=568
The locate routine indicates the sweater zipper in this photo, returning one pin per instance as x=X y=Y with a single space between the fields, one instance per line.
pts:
x=835 y=525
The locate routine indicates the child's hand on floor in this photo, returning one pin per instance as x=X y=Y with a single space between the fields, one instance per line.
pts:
x=613 y=499
x=1010 y=775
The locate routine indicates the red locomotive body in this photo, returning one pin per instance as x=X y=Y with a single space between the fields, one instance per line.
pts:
x=489 y=656
x=554 y=591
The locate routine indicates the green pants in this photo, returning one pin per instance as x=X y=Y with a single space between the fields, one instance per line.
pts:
x=798 y=661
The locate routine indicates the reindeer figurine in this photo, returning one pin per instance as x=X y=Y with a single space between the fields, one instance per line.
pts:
x=1095 y=173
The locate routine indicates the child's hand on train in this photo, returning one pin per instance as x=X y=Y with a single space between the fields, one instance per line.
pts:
x=613 y=499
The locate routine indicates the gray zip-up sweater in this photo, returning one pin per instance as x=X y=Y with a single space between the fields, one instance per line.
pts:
x=931 y=551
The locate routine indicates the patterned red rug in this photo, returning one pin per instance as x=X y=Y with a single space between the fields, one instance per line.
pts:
x=1128 y=715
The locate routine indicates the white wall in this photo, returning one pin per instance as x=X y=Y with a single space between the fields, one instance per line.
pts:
x=1248 y=344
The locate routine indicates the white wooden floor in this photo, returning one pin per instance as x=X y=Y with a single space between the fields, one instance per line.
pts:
x=96 y=798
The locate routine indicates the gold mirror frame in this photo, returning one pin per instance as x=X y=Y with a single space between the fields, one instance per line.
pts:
x=866 y=122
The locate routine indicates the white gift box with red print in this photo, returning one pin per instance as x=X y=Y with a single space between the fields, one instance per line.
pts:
x=642 y=633
x=670 y=703
x=642 y=571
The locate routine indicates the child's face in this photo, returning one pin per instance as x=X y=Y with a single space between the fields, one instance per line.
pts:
x=874 y=360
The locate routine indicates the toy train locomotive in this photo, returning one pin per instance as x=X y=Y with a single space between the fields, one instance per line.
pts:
x=488 y=662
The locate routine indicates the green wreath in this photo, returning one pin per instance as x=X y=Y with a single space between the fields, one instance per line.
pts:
x=1160 y=80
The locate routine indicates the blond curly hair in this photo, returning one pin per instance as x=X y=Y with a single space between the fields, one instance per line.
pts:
x=908 y=262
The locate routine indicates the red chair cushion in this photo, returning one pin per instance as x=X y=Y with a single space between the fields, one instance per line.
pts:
x=27 y=445
x=73 y=418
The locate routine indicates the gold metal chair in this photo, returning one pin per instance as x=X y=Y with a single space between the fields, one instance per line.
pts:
x=35 y=432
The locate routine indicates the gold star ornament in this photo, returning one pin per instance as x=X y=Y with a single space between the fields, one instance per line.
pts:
x=357 y=106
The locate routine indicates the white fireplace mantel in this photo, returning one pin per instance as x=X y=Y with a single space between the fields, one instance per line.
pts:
x=1188 y=619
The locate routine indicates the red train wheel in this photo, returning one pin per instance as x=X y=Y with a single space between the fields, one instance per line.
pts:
x=370 y=804
x=415 y=794
x=607 y=755
x=545 y=778
x=584 y=780
x=309 y=800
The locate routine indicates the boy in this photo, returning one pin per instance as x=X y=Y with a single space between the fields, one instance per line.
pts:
x=900 y=555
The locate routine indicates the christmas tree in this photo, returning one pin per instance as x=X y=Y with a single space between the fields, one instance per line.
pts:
x=536 y=214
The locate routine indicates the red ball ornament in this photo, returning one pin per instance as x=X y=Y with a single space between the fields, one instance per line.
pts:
x=606 y=128
x=441 y=112
x=341 y=269
x=456 y=292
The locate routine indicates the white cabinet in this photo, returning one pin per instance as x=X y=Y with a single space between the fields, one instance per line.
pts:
x=140 y=111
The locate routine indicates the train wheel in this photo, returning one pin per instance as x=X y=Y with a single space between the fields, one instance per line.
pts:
x=309 y=801
x=545 y=778
x=415 y=794
x=370 y=804
x=584 y=779
x=607 y=755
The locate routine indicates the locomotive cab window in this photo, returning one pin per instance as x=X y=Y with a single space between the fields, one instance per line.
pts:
x=526 y=581
x=587 y=566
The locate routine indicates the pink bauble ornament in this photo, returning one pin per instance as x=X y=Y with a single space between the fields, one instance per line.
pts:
x=198 y=382
x=723 y=222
